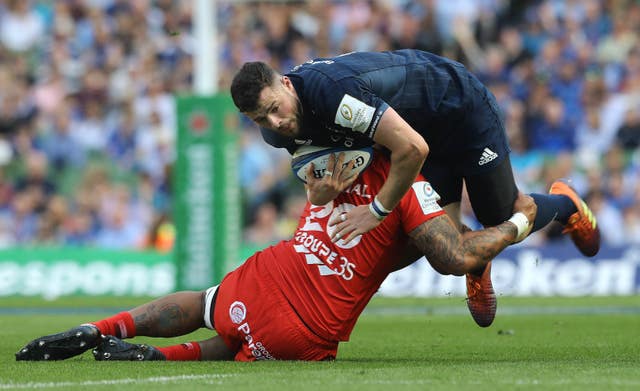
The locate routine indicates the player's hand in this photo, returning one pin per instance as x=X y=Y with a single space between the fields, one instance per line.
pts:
x=357 y=221
x=526 y=205
x=335 y=180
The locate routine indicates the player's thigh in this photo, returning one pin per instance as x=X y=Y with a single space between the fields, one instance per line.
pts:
x=492 y=193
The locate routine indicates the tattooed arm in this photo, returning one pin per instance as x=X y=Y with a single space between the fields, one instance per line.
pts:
x=451 y=252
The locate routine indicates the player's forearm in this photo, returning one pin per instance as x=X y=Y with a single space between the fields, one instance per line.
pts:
x=480 y=247
x=408 y=153
x=405 y=167
x=450 y=252
x=320 y=197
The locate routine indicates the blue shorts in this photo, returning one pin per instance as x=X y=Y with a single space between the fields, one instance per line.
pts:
x=480 y=147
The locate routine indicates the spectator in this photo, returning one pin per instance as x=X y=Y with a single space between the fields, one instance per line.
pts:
x=122 y=141
x=155 y=147
x=61 y=148
x=21 y=28
x=614 y=47
x=80 y=230
x=35 y=182
x=263 y=171
x=591 y=137
x=90 y=130
x=552 y=131
x=631 y=217
x=51 y=222
x=628 y=136
x=22 y=217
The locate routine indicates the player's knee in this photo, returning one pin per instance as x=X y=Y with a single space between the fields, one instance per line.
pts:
x=453 y=265
x=491 y=217
x=493 y=194
x=458 y=266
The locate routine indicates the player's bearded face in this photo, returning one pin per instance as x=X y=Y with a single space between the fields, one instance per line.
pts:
x=279 y=109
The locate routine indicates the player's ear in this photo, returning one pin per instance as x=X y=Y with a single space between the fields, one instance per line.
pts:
x=286 y=83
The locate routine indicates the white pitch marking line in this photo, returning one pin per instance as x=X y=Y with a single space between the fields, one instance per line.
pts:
x=159 y=379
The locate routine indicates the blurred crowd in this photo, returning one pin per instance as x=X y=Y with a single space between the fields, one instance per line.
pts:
x=88 y=123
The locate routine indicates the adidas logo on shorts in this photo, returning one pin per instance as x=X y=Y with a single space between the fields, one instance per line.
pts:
x=487 y=156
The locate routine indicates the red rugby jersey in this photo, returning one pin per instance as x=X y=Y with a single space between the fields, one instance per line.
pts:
x=329 y=284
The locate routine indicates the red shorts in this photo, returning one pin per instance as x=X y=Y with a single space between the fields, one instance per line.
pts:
x=255 y=319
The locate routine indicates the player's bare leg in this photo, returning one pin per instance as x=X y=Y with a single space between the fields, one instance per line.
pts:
x=172 y=315
x=169 y=316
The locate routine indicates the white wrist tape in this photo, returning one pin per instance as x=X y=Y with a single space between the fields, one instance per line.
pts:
x=379 y=205
x=522 y=224
x=374 y=212
x=379 y=211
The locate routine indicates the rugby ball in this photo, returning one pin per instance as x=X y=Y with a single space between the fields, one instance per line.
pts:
x=319 y=156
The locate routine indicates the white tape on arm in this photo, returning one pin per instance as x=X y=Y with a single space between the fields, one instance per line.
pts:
x=522 y=224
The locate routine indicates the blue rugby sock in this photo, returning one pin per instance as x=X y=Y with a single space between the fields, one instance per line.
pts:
x=552 y=207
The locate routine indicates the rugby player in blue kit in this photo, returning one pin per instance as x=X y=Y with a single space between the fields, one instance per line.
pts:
x=433 y=115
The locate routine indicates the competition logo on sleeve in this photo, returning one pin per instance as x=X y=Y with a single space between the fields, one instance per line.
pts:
x=237 y=312
x=354 y=114
x=346 y=112
x=427 y=197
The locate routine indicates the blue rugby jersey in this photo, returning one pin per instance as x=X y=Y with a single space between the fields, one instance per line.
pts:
x=344 y=97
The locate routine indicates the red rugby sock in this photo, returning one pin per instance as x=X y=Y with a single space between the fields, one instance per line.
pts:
x=120 y=325
x=189 y=351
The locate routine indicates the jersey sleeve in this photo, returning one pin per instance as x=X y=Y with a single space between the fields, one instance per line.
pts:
x=419 y=205
x=358 y=109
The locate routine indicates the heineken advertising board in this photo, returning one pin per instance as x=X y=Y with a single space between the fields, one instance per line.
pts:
x=206 y=190
x=556 y=269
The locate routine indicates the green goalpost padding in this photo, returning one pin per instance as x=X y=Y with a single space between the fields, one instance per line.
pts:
x=206 y=191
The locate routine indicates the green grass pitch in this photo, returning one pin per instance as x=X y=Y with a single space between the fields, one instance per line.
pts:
x=408 y=344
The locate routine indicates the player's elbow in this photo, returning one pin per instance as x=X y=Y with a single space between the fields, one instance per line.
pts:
x=423 y=148
x=456 y=271
x=452 y=264
x=447 y=271
x=417 y=149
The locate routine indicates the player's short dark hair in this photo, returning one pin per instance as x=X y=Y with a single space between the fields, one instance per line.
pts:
x=249 y=82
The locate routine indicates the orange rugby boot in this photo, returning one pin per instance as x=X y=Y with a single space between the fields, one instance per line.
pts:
x=481 y=299
x=582 y=225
